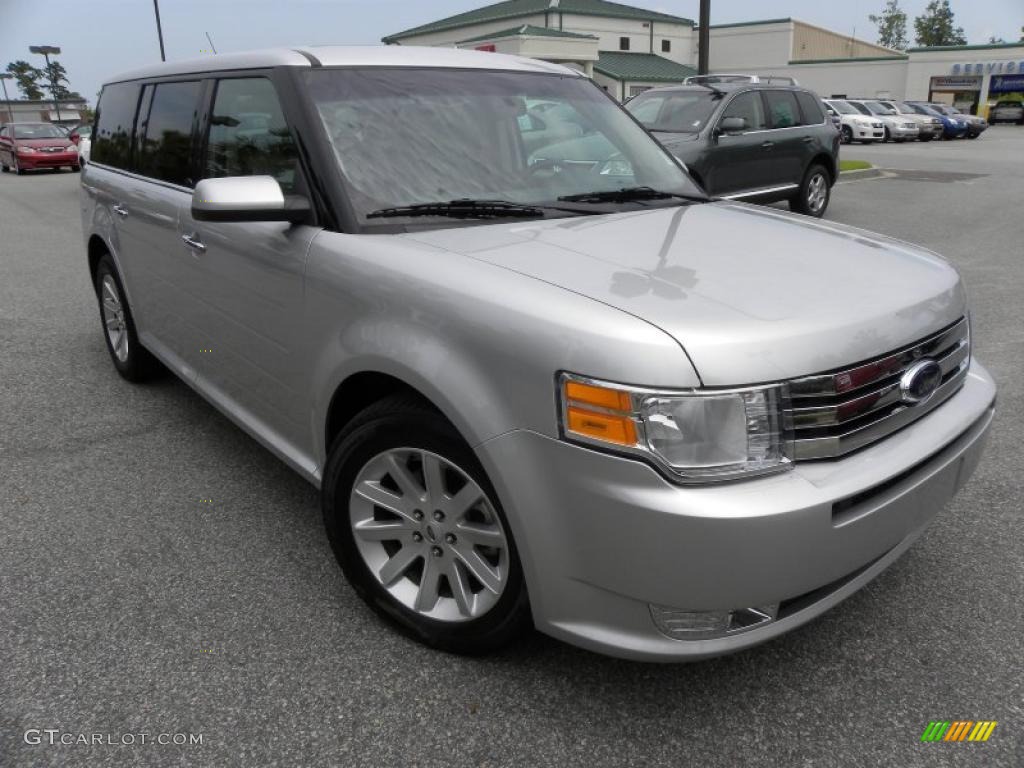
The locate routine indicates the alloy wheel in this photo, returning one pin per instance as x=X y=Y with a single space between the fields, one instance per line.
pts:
x=429 y=535
x=113 y=317
x=817 y=192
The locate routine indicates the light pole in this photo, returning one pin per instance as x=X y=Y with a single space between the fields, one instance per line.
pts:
x=704 y=38
x=159 y=29
x=46 y=50
x=4 y=77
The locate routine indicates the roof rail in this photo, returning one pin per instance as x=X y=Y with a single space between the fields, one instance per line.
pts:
x=738 y=78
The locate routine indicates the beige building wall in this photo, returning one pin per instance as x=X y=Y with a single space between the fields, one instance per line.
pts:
x=811 y=42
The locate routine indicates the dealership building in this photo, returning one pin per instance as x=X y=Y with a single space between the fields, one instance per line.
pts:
x=628 y=50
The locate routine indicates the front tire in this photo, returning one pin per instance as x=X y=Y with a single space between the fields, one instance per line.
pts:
x=847 y=135
x=133 y=361
x=418 y=530
x=815 y=193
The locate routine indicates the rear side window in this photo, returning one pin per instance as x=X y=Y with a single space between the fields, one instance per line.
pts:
x=166 y=150
x=783 y=111
x=249 y=135
x=811 y=108
x=115 y=120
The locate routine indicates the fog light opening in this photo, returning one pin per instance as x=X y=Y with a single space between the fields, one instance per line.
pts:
x=680 y=624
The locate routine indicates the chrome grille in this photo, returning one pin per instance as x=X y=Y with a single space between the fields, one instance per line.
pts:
x=835 y=413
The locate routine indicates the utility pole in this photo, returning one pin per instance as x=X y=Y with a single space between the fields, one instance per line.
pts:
x=46 y=50
x=704 y=37
x=4 y=77
x=159 y=29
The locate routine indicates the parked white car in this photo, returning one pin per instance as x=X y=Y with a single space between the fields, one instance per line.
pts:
x=82 y=136
x=854 y=125
x=896 y=127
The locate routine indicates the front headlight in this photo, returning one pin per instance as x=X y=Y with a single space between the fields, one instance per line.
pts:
x=695 y=437
x=25 y=150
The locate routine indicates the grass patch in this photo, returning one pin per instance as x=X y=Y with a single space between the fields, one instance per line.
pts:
x=854 y=165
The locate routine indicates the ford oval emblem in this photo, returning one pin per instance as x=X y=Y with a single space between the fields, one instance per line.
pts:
x=920 y=381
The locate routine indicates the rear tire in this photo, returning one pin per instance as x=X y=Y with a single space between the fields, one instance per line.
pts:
x=815 y=193
x=133 y=361
x=76 y=168
x=421 y=569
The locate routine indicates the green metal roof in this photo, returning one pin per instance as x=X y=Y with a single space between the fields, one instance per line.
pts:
x=530 y=31
x=641 y=67
x=989 y=46
x=849 y=59
x=513 y=9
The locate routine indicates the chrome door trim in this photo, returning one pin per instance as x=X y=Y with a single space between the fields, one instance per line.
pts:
x=765 y=191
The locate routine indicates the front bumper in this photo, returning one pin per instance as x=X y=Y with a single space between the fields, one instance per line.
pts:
x=603 y=538
x=47 y=160
x=900 y=132
x=868 y=134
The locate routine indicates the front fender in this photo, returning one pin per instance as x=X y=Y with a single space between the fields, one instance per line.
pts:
x=481 y=342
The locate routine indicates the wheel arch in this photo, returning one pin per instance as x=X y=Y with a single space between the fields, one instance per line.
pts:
x=828 y=161
x=96 y=248
x=359 y=391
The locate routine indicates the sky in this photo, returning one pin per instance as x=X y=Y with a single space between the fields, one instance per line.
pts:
x=100 y=38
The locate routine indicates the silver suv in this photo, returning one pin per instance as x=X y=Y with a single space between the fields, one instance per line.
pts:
x=569 y=393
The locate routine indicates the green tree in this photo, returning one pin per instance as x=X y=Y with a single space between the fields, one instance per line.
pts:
x=27 y=77
x=935 y=26
x=57 y=77
x=993 y=40
x=892 y=25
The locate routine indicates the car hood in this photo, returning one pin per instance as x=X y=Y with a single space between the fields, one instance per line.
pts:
x=36 y=143
x=752 y=294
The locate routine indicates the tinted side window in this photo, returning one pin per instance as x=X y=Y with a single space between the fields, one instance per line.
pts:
x=750 y=107
x=249 y=135
x=811 y=108
x=115 y=120
x=783 y=111
x=166 y=151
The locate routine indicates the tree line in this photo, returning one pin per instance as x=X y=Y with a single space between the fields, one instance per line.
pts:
x=936 y=26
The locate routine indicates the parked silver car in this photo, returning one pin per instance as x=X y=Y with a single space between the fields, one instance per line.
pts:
x=896 y=127
x=573 y=394
x=929 y=127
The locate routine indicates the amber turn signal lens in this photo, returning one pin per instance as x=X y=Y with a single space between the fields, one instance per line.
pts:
x=603 y=397
x=602 y=426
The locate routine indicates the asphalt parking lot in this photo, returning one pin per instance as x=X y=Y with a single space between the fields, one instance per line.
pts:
x=162 y=573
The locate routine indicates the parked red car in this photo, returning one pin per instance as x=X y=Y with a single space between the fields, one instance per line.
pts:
x=28 y=146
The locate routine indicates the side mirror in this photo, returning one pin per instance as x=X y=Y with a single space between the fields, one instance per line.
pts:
x=246 y=198
x=732 y=125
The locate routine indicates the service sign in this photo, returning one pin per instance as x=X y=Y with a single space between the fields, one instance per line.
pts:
x=989 y=68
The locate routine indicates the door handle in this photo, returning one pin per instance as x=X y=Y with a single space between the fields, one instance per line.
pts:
x=193 y=242
x=768 y=144
x=120 y=210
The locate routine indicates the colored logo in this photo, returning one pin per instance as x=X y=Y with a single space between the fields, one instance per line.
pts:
x=958 y=730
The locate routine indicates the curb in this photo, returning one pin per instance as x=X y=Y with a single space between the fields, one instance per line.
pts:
x=860 y=174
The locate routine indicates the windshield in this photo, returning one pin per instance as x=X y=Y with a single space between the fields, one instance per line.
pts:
x=38 y=131
x=877 y=108
x=675 y=111
x=843 y=108
x=859 y=107
x=409 y=137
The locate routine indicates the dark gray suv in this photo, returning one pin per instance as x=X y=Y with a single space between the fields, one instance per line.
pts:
x=754 y=142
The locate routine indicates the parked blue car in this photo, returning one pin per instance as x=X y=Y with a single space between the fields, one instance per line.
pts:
x=952 y=127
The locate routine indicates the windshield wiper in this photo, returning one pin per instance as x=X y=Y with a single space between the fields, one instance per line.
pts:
x=463 y=209
x=625 y=195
